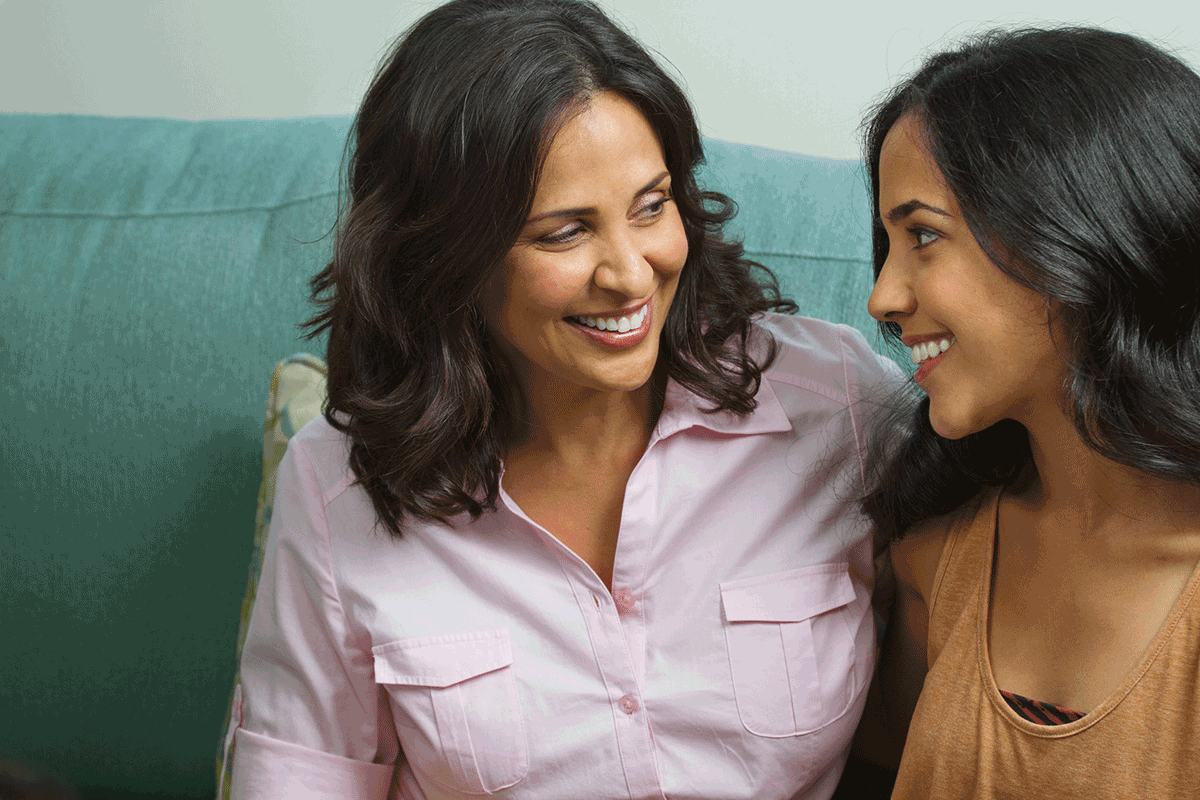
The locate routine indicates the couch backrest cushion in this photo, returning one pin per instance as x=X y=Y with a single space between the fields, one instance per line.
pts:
x=153 y=273
x=805 y=218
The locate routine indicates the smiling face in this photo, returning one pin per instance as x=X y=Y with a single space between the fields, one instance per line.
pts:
x=582 y=296
x=982 y=340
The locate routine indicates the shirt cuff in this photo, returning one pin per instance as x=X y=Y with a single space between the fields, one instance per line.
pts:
x=268 y=768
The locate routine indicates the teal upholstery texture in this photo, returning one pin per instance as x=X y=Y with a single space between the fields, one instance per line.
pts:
x=153 y=273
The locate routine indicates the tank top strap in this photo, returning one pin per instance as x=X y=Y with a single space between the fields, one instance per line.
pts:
x=964 y=567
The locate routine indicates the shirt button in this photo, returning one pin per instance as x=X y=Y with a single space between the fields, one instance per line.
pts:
x=624 y=600
x=628 y=704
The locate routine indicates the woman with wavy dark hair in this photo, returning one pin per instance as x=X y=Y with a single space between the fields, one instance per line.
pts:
x=1037 y=247
x=577 y=520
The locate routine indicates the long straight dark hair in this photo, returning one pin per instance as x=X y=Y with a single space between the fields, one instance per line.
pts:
x=1075 y=156
x=446 y=152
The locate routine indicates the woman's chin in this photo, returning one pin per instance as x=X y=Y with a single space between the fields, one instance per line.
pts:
x=949 y=426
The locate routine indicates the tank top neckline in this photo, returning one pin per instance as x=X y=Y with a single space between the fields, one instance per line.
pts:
x=1132 y=677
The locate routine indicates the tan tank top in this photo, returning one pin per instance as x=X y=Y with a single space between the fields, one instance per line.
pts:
x=965 y=741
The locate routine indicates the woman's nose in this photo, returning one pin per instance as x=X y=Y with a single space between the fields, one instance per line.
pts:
x=624 y=267
x=892 y=295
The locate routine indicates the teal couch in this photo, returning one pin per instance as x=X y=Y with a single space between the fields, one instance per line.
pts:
x=152 y=273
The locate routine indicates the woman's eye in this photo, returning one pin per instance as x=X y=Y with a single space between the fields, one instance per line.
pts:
x=923 y=237
x=562 y=235
x=652 y=208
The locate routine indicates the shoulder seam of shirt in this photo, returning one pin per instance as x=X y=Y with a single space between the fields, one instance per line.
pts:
x=327 y=555
x=838 y=394
x=338 y=489
x=808 y=384
x=331 y=437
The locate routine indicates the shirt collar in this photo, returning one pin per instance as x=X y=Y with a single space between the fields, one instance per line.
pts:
x=682 y=410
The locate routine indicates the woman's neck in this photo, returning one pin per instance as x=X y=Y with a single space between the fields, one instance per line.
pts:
x=1069 y=480
x=572 y=423
x=569 y=471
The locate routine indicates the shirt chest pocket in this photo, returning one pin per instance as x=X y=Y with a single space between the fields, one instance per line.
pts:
x=454 y=701
x=792 y=648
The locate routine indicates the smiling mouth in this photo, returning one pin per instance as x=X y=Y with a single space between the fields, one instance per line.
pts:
x=924 y=351
x=622 y=324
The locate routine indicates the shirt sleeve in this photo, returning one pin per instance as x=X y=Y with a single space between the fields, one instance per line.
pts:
x=313 y=723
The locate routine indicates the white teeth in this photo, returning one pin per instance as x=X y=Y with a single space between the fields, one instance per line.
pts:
x=927 y=350
x=618 y=325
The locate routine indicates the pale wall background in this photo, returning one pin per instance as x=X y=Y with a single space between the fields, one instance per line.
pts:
x=791 y=75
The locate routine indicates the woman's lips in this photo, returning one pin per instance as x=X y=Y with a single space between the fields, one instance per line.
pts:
x=617 y=339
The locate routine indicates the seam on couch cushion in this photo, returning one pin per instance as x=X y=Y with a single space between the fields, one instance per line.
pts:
x=781 y=254
x=199 y=212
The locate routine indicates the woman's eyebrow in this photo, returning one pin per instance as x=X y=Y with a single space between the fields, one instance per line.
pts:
x=581 y=212
x=655 y=181
x=906 y=209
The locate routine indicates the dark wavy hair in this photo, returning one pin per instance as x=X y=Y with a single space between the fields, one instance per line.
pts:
x=444 y=160
x=1075 y=156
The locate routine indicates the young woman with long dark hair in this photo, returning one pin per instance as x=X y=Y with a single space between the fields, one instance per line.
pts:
x=577 y=521
x=1037 y=247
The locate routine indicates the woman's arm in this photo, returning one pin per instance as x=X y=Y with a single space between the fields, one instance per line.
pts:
x=900 y=671
x=310 y=724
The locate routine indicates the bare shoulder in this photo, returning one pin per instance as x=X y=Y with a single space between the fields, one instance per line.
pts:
x=903 y=662
x=915 y=557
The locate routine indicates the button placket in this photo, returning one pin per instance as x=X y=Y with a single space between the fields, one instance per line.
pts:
x=616 y=629
x=624 y=601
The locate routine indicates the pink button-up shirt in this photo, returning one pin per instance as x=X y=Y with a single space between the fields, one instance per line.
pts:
x=730 y=659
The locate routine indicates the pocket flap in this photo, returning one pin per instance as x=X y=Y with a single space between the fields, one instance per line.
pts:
x=790 y=596
x=441 y=661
